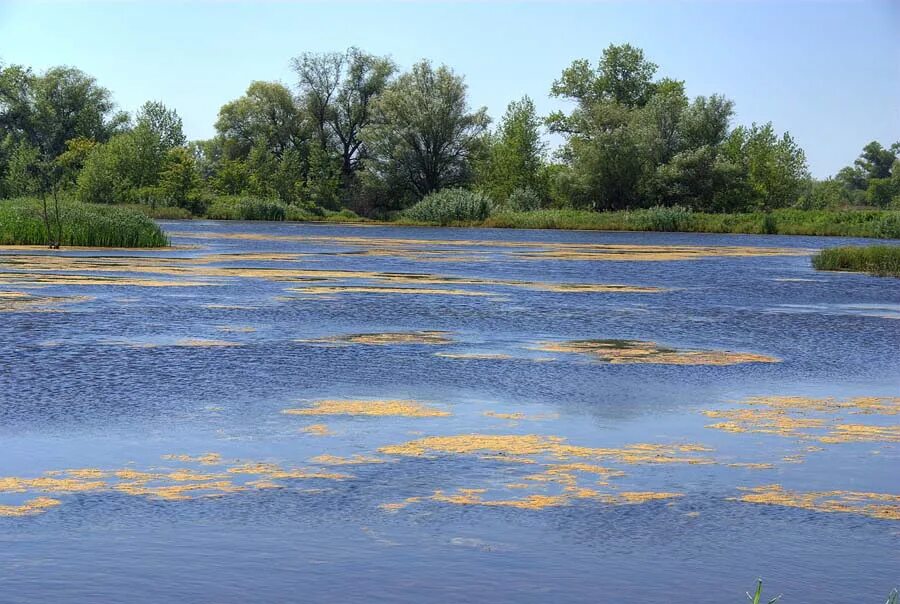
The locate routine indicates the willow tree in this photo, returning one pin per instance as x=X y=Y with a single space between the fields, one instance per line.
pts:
x=424 y=135
x=337 y=91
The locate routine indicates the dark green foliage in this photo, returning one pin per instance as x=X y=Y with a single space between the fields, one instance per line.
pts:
x=246 y=208
x=83 y=225
x=450 y=206
x=523 y=199
x=882 y=260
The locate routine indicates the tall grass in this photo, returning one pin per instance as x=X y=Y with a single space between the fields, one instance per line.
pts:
x=246 y=208
x=450 y=206
x=21 y=223
x=882 y=260
x=883 y=224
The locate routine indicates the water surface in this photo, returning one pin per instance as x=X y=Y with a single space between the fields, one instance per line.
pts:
x=136 y=364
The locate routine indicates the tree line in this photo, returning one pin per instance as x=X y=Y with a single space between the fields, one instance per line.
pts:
x=355 y=132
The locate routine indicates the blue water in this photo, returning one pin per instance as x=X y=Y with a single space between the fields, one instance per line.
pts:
x=73 y=394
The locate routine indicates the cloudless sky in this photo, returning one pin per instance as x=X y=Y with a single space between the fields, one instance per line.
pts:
x=827 y=71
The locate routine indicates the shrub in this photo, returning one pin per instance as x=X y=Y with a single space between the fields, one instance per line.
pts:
x=524 y=199
x=246 y=208
x=448 y=206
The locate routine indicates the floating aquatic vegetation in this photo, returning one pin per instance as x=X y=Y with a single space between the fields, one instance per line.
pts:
x=388 y=338
x=466 y=249
x=533 y=501
x=207 y=459
x=518 y=416
x=810 y=418
x=235 y=329
x=174 y=484
x=752 y=465
x=15 y=301
x=362 y=289
x=480 y=356
x=397 y=408
x=31 y=507
x=205 y=343
x=516 y=445
x=335 y=460
x=317 y=430
x=635 y=351
x=875 y=505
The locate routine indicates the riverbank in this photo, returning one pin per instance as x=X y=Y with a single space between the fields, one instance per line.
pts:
x=875 y=224
x=881 y=260
x=82 y=225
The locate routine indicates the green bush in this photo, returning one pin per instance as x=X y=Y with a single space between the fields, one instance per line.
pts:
x=449 y=206
x=524 y=199
x=22 y=223
x=883 y=260
x=246 y=208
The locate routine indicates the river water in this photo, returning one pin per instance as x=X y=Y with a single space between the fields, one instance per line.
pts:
x=289 y=412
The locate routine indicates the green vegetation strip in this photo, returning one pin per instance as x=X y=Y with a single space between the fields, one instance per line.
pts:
x=882 y=260
x=22 y=223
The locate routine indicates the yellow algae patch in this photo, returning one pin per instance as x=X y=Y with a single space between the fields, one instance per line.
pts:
x=190 y=476
x=518 y=416
x=866 y=405
x=137 y=475
x=598 y=288
x=486 y=356
x=752 y=465
x=31 y=507
x=317 y=430
x=554 y=446
x=635 y=497
x=53 y=279
x=87 y=473
x=336 y=460
x=635 y=351
x=207 y=459
x=875 y=505
x=862 y=433
x=372 y=408
x=274 y=471
x=362 y=289
x=810 y=419
x=388 y=338
x=205 y=343
x=180 y=492
x=49 y=485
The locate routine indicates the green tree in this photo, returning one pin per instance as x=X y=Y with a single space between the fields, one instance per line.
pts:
x=163 y=122
x=266 y=117
x=424 y=134
x=774 y=167
x=338 y=90
x=516 y=153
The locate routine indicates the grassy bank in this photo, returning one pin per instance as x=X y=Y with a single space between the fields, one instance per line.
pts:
x=881 y=224
x=882 y=260
x=22 y=223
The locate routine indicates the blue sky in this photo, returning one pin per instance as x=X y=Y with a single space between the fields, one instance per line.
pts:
x=827 y=71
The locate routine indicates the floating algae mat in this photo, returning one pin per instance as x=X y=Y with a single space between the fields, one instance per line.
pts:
x=374 y=408
x=633 y=351
x=390 y=338
x=827 y=420
x=171 y=483
x=876 y=505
